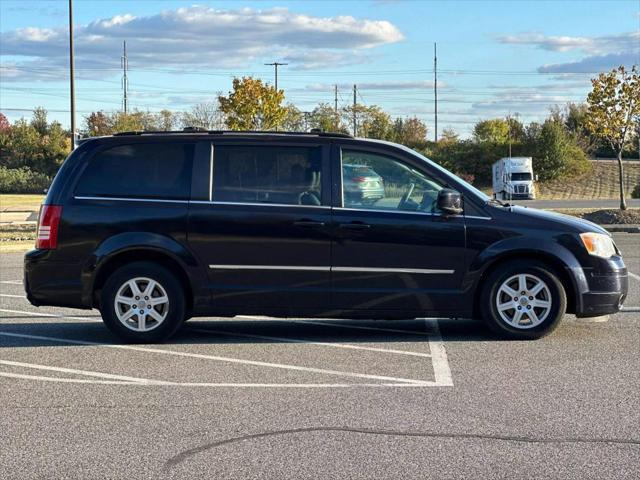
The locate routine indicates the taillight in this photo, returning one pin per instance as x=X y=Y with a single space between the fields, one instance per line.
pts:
x=359 y=179
x=48 y=222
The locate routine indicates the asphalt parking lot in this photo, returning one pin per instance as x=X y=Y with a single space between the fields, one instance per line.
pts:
x=265 y=398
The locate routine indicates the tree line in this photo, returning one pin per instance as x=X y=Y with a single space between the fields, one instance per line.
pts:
x=607 y=124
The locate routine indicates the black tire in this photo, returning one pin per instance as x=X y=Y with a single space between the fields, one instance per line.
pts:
x=175 y=309
x=488 y=300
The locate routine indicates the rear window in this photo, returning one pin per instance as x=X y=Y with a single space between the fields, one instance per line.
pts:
x=284 y=175
x=143 y=170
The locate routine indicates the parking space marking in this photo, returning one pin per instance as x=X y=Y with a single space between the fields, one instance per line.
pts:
x=217 y=358
x=438 y=355
x=11 y=296
x=43 y=378
x=12 y=282
x=74 y=371
x=38 y=314
x=310 y=342
x=633 y=275
x=439 y=359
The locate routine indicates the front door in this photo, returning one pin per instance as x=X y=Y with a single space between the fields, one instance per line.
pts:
x=263 y=232
x=393 y=251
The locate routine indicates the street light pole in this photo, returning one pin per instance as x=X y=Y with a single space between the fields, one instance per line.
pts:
x=72 y=90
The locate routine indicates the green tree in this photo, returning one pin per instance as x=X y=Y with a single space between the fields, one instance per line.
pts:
x=294 y=120
x=39 y=120
x=555 y=152
x=253 y=105
x=448 y=135
x=614 y=105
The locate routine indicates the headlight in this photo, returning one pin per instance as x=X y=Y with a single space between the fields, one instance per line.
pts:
x=598 y=244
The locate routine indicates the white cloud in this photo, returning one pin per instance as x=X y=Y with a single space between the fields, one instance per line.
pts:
x=601 y=53
x=593 y=64
x=201 y=37
x=590 y=45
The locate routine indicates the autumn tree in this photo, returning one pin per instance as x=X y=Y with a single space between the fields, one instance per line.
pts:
x=253 y=105
x=4 y=124
x=97 y=124
x=614 y=106
x=409 y=131
x=325 y=118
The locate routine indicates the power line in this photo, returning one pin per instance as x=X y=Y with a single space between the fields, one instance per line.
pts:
x=72 y=93
x=435 y=90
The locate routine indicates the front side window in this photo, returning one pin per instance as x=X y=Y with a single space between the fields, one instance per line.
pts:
x=276 y=175
x=372 y=181
x=143 y=170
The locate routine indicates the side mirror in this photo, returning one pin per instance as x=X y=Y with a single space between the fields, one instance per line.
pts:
x=449 y=201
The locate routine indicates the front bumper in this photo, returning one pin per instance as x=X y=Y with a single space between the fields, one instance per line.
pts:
x=521 y=196
x=608 y=287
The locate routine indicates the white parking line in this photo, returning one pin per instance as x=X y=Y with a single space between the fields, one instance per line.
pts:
x=64 y=380
x=53 y=315
x=215 y=357
x=633 y=275
x=309 y=342
x=439 y=357
x=12 y=282
x=87 y=373
x=12 y=296
x=437 y=354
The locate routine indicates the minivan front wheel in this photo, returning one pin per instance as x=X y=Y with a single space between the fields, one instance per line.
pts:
x=523 y=300
x=142 y=302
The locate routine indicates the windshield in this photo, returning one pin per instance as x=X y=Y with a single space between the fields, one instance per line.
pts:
x=522 y=176
x=480 y=194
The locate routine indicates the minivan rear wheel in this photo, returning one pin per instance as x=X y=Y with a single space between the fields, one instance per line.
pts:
x=523 y=300
x=142 y=302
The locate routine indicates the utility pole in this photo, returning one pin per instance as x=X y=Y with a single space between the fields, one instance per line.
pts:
x=355 y=121
x=335 y=107
x=72 y=88
x=435 y=89
x=124 y=61
x=509 y=130
x=275 y=65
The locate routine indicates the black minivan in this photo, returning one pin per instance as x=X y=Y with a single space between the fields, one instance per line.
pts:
x=153 y=228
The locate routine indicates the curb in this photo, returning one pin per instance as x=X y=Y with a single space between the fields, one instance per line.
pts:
x=622 y=228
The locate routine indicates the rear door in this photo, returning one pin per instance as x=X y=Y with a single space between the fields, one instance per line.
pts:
x=259 y=220
x=393 y=250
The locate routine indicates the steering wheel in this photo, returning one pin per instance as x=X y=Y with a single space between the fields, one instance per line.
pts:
x=406 y=195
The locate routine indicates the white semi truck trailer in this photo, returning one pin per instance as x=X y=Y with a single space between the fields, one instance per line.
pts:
x=513 y=179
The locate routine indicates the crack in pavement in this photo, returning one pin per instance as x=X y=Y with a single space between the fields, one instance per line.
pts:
x=186 y=454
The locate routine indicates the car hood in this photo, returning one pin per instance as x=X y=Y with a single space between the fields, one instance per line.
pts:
x=559 y=219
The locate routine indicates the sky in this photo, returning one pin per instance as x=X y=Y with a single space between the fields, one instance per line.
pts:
x=495 y=58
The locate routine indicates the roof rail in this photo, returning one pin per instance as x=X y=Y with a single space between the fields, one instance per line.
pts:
x=192 y=130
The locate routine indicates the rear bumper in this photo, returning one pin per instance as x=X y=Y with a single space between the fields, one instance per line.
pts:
x=51 y=283
x=607 y=292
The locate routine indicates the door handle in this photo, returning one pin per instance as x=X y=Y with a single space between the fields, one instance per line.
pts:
x=355 y=226
x=308 y=224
